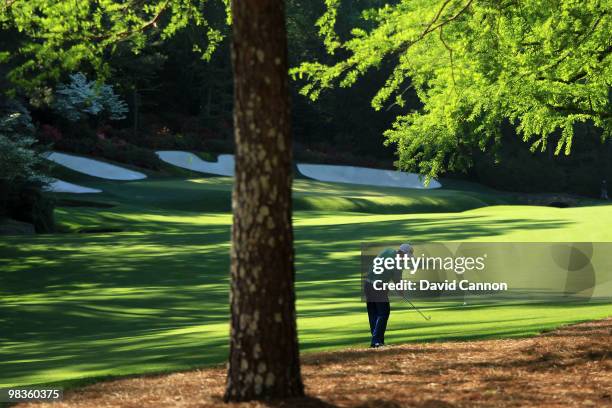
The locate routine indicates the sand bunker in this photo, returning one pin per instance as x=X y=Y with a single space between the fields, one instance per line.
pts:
x=364 y=175
x=224 y=166
x=60 y=186
x=94 y=168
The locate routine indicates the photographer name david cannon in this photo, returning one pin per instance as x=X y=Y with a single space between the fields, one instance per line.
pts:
x=423 y=284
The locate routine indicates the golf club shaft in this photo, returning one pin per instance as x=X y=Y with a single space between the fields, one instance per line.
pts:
x=416 y=308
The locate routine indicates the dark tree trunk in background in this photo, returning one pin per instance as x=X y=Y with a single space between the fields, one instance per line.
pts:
x=264 y=356
x=136 y=110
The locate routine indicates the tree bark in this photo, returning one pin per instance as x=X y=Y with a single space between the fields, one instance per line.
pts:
x=264 y=356
x=136 y=112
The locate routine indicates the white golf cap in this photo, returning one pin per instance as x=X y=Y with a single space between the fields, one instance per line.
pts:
x=406 y=248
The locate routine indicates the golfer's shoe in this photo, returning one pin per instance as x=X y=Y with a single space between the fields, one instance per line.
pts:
x=377 y=345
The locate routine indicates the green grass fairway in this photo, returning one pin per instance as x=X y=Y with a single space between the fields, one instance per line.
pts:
x=153 y=297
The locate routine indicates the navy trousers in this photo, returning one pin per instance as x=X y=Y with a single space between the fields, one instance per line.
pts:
x=378 y=313
x=379 y=310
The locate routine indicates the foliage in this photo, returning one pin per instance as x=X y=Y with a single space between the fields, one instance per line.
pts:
x=27 y=203
x=514 y=168
x=15 y=118
x=166 y=84
x=63 y=36
x=113 y=148
x=22 y=169
x=19 y=161
x=123 y=152
x=82 y=98
x=166 y=87
x=50 y=134
x=542 y=64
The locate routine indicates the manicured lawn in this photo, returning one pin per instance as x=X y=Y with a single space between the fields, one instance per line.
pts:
x=154 y=296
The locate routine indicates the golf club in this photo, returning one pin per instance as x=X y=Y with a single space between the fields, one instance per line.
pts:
x=416 y=308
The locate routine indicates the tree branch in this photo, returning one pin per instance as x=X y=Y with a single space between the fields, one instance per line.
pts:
x=579 y=75
x=431 y=28
x=450 y=53
x=569 y=110
x=579 y=42
x=401 y=94
x=437 y=16
x=127 y=33
x=456 y=16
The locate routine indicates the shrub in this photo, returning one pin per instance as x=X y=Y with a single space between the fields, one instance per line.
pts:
x=121 y=151
x=20 y=162
x=82 y=99
x=585 y=180
x=219 y=146
x=15 y=119
x=50 y=134
x=520 y=171
x=27 y=203
x=21 y=170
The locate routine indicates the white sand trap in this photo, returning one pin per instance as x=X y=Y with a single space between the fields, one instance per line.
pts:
x=60 y=186
x=94 y=168
x=224 y=166
x=364 y=175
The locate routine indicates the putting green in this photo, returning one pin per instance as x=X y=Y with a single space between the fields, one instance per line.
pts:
x=154 y=297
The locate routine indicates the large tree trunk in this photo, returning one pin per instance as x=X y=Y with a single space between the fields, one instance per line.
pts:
x=264 y=356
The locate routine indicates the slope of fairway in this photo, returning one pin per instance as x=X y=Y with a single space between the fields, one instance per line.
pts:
x=213 y=195
x=155 y=296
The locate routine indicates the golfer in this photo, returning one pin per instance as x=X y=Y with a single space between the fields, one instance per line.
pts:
x=378 y=305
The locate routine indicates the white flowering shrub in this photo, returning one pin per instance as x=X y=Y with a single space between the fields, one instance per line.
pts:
x=81 y=99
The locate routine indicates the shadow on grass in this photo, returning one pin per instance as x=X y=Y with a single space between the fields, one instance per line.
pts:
x=83 y=306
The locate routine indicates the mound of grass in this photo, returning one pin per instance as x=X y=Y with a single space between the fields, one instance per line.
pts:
x=213 y=195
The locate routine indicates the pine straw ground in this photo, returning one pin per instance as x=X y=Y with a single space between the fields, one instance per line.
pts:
x=568 y=367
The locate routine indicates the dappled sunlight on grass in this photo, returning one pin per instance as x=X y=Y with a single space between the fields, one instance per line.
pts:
x=226 y=182
x=155 y=296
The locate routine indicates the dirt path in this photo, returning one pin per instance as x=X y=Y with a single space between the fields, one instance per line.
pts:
x=569 y=367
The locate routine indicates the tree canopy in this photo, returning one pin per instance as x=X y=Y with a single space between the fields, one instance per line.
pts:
x=449 y=73
x=63 y=35
x=543 y=65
